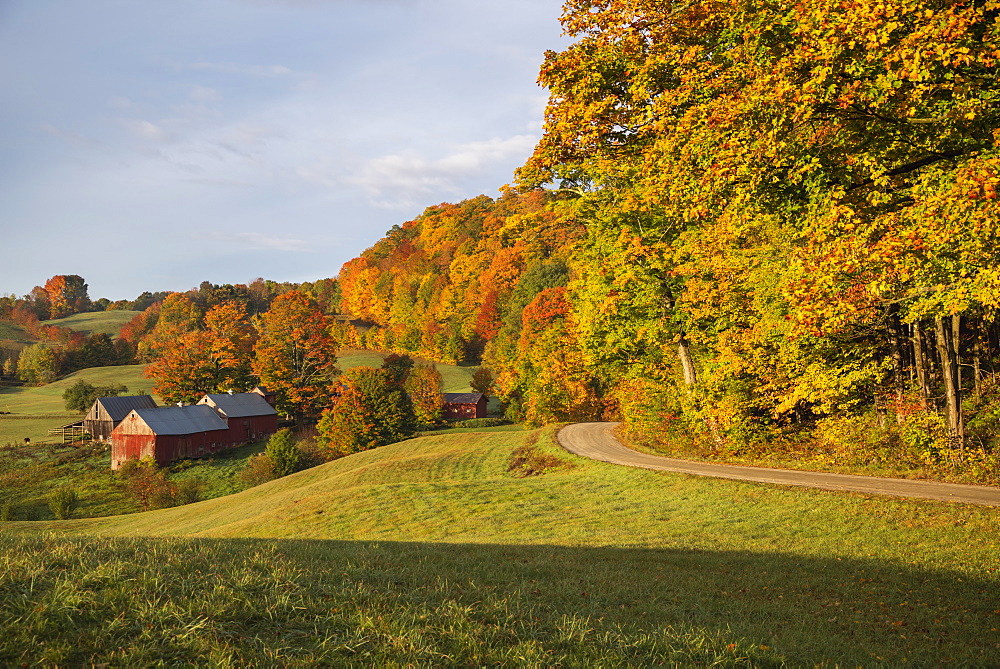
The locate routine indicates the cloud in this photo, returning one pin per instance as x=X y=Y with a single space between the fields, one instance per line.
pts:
x=145 y=129
x=252 y=70
x=401 y=180
x=73 y=138
x=204 y=94
x=259 y=241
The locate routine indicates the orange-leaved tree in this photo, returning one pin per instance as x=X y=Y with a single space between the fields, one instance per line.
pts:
x=295 y=356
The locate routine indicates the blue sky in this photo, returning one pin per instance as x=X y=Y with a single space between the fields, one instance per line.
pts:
x=152 y=145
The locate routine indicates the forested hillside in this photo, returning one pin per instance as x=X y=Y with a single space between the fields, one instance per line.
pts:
x=766 y=224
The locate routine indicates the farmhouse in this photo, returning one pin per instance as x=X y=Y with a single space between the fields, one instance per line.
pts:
x=464 y=405
x=216 y=422
x=107 y=412
x=169 y=433
x=249 y=415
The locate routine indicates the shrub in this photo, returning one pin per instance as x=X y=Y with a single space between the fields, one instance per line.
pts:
x=259 y=469
x=189 y=491
x=8 y=511
x=145 y=482
x=284 y=453
x=63 y=502
x=481 y=422
x=530 y=460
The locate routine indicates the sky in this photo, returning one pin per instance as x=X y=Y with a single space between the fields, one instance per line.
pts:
x=152 y=145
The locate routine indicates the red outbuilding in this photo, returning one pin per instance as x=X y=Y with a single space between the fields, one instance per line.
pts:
x=169 y=433
x=464 y=405
x=249 y=415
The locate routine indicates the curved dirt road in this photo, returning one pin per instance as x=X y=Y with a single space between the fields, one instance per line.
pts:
x=597 y=441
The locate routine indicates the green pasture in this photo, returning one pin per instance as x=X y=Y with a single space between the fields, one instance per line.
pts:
x=455 y=379
x=48 y=399
x=15 y=333
x=431 y=552
x=13 y=429
x=95 y=322
x=29 y=474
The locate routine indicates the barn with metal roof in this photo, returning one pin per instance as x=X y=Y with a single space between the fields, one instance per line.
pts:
x=169 y=433
x=249 y=415
x=107 y=412
x=464 y=405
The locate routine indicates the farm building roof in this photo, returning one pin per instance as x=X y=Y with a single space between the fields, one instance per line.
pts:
x=462 y=398
x=182 y=420
x=239 y=405
x=119 y=407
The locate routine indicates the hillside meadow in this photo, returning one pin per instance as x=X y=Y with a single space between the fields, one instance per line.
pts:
x=33 y=410
x=454 y=378
x=432 y=551
x=95 y=322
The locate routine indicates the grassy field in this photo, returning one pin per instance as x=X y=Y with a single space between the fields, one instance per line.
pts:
x=14 y=332
x=34 y=410
x=429 y=551
x=455 y=379
x=48 y=399
x=97 y=322
x=28 y=474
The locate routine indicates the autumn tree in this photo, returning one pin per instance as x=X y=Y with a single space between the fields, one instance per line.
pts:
x=423 y=384
x=177 y=315
x=777 y=200
x=67 y=295
x=185 y=370
x=231 y=338
x=295 y=356
x=482 y=381
x=372 y=409
x=216 y=359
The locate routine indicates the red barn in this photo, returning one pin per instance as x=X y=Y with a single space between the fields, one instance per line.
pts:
x=464 y=405
x=169 y=433
x=107 y=412
x=249 y=415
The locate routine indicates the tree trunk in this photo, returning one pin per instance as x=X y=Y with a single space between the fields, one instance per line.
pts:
x=949 y=377
x=898 y=359
x=691 y=380
x=920 y=362
x=687 y=364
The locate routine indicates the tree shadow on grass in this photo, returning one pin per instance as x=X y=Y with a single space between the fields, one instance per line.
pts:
x=127 y=601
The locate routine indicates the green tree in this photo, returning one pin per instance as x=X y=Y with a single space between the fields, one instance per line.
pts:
x=37 y=364
x=283 y=452
x=398 y=366
x=81 y=395
x=67 y=295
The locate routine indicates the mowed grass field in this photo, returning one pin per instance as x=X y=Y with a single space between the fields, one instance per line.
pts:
x=97 y=322
x=431 y=552
x=36 y=409
x=455 y=379
x=14 y=332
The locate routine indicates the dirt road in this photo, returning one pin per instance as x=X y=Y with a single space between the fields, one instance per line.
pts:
x=597 y=441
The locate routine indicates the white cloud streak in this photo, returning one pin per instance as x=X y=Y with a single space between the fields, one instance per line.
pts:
x=237 y=68
x=260 y=242
x=398 y=181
